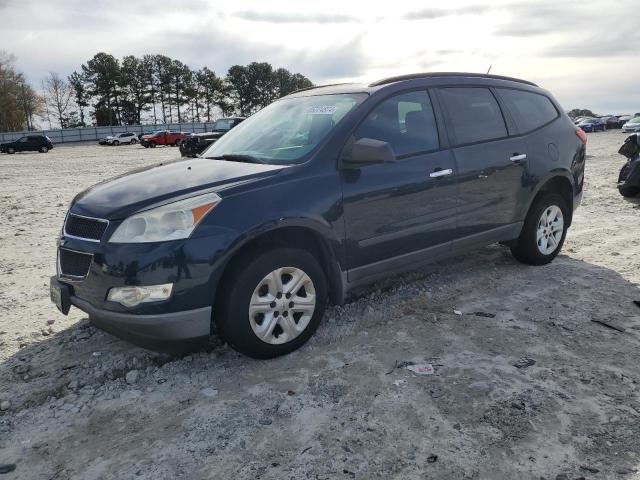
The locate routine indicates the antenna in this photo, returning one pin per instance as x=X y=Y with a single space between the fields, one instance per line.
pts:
x=489 y=69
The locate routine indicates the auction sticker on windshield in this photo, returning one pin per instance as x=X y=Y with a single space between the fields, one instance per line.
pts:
x=322 y=110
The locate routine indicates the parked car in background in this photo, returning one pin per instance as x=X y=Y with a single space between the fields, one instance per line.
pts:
x=197 y=142
x=632 y=125
x=28 y=143
x=163 y=137
x=125 y=137
x=610 y=121
x=321 y=192
x=148 y=132
x=624 y=119
x=592 y=125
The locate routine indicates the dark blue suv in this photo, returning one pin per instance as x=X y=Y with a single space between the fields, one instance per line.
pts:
x=324 y=190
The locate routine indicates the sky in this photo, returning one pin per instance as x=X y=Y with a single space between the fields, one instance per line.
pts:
x=586 y=53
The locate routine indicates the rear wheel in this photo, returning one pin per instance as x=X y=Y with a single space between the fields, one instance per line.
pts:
x=43 y=149
x=152 y=144
x=133 y=141
x=271 y=302
x=115 y=143
x=544 y=231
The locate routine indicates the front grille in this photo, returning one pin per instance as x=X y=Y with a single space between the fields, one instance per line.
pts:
x=74 y=264
x=83 y=227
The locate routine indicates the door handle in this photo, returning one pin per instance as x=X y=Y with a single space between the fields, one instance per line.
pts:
x=441 y=173
x=516 y=157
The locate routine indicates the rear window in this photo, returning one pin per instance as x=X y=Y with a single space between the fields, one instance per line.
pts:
x=532 y=110
x=474 y=114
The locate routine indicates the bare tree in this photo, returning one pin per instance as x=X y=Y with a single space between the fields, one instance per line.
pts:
x=58 y=94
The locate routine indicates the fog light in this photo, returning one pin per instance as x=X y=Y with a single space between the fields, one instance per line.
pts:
x=132 y=296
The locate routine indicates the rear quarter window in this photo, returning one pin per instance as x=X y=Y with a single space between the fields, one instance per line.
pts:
x=532 y=110
x=474 y=114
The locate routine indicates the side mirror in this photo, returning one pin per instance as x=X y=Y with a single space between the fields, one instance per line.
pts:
x=367 y=151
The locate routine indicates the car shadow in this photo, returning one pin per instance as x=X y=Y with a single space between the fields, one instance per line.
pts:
x=84 y=355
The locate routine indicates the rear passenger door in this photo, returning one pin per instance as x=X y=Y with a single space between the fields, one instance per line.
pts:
x=491 y=165
x=394 y=210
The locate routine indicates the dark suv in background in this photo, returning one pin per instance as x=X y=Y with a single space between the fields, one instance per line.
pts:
x=28 y=143
x=197 y=142
x=322 y=191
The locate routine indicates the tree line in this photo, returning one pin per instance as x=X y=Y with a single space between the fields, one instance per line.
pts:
x=109 y=91
x=20 y=104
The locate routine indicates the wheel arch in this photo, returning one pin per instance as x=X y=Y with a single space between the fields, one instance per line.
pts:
x=306 y=235
x=556 y=182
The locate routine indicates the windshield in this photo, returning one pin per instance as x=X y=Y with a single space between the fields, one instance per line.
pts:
x=223 y=125
x=635 y=120
x=285 y=131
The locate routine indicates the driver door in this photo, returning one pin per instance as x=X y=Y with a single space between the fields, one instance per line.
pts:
x=397 y=214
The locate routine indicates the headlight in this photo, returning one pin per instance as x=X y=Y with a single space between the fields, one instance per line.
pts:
x=169 y=222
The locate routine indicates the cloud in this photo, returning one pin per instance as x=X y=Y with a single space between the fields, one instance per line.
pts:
x=340 y=61
x=619 y=43
x=286 y=17
x=433 y=13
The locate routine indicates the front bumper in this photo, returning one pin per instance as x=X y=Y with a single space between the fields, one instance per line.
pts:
x=173 y=332
x=193 y=266
x=166 y=332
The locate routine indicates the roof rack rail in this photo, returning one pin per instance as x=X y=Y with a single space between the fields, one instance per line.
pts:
x=412 y=76
x=320 y=86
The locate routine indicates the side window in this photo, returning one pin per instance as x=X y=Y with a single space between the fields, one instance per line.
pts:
x=532 y=109
x=23 y=139
x=474 y=114
x=405 y=121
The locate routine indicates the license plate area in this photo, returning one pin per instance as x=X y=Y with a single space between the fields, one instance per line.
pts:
x=60 y=295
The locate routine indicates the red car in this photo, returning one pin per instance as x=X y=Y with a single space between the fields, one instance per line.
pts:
x=164 y=137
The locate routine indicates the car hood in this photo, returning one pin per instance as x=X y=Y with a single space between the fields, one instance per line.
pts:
x=121 y=196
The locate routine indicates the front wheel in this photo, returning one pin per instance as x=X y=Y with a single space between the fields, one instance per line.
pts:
x=115 y=143
x=43 y=149
x=11 y=150
x=133 y=141
x=152 y=145
x=271 y=302
x=544 y=231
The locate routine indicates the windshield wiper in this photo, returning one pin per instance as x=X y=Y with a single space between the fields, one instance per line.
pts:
x=236 y=157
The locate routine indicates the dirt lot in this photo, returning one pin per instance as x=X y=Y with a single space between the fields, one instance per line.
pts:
x=80 y=404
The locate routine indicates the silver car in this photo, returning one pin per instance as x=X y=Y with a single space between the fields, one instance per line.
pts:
x=632 y=125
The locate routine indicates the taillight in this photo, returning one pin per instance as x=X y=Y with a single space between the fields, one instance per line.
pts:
x=582 y=136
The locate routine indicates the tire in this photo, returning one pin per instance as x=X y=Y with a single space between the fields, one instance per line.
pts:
x=43 y=149
x=533 y=251
x=11 y=150
x=247 y=283
x=133 y=141
x=115 y=143
x=152 y=144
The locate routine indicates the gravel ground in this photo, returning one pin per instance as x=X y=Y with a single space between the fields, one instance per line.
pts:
x=76 y=403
